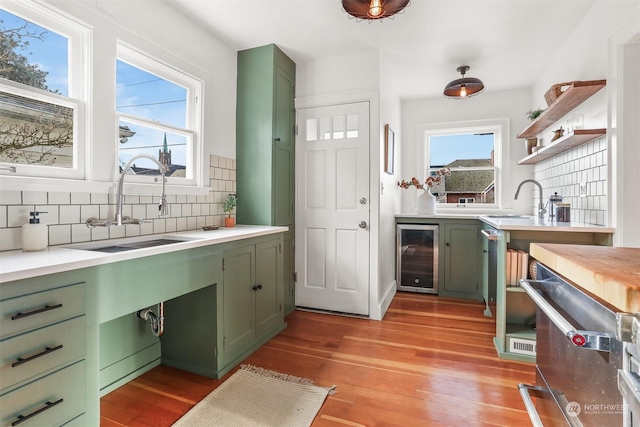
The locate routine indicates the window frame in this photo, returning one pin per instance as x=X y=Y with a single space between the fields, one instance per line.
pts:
x=79 y=37
x=499 y=127
x=193 y=119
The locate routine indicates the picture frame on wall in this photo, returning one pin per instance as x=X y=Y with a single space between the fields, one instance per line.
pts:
x=389 y=143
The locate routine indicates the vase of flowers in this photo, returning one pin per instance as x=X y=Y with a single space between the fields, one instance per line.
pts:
x=426 y=202
x=229 y=204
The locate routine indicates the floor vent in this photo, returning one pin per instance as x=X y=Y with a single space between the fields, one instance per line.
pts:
x=520 y=346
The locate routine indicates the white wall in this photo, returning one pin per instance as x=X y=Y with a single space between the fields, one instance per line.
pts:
x=511 y=104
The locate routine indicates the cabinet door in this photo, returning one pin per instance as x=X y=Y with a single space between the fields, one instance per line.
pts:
x=239 y=299
x=461 y=258
x=284 y=158
x=268 y=292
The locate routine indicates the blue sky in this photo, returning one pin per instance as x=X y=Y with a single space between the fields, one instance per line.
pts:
x=137 y=93
x=448 y=148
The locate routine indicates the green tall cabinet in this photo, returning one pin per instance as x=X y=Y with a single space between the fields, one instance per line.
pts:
x=265 y=147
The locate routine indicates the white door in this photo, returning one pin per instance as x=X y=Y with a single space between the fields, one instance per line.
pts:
x=332 y=215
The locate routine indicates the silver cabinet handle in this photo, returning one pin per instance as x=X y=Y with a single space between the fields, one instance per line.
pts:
x=528 y=404
x=363 y=224
x=585 y=339
x=490 y=235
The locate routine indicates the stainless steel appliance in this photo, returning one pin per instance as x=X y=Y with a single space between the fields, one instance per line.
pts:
x=417 y=258
x=578 y=356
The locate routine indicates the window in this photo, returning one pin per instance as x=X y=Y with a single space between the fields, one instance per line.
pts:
x=471 y=152
x=158 y=115
x=42 y=92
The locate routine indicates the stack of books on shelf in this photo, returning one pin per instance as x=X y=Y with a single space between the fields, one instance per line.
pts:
x=517 y=266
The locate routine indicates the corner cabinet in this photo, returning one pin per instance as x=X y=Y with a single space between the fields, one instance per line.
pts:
x=576 y=94
x=265 y=144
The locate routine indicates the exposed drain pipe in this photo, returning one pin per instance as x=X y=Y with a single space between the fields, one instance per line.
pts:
x=156 y=321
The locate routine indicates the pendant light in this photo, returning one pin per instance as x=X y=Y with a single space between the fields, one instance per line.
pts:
x=373 y=10
x=463 y=87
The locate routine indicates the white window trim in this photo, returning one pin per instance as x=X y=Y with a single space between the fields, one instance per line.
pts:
x=193 y=129
x=500 y=128
x=79 y=37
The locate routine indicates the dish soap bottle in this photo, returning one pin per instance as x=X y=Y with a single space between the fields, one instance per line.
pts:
x=35 y=236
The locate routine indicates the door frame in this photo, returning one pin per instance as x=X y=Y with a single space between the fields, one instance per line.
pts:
x=377 y=303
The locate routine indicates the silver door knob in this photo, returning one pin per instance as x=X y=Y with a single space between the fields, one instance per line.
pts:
x=363 y=200
x=363 y=224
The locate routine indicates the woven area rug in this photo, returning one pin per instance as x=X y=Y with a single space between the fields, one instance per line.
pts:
x=258 y=397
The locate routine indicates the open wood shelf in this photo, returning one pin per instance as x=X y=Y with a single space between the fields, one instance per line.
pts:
x=573 y=96
x=567 y=142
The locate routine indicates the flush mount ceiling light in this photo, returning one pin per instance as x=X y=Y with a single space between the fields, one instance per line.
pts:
x=464 y=87
x=373 y=10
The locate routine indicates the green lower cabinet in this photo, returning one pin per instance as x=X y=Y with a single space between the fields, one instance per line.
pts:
x=461 y=274
x=222 y=324
x=252 y=299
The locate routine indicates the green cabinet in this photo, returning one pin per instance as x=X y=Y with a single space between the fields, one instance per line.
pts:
x=265 y=147
x=461 y=277
x=222 y=324
x=265 y=137
x=289 y=264
x=252 y=296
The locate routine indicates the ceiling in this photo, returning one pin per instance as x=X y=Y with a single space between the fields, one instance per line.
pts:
x=507 y=43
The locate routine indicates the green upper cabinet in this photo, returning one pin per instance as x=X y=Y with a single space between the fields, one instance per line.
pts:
x=265 y=132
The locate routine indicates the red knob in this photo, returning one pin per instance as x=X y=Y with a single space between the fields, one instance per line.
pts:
x=578 y=340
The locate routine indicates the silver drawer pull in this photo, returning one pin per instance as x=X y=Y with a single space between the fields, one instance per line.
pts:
x=528 y=404
x=23 y=418
x=47 y=350
x=585 y=339
x=38 y=311
x=490 y=235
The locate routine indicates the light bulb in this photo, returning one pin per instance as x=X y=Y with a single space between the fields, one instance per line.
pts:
x=463 y=91
x=375 y=8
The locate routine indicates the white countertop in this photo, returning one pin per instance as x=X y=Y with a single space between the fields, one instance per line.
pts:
x=522 y=223
x=17 y=265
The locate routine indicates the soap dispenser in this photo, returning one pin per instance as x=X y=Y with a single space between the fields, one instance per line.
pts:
x=35 y=236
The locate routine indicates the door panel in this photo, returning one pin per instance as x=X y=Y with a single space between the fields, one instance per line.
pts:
x=268 y=304
x=239 y=299
x=332 y=255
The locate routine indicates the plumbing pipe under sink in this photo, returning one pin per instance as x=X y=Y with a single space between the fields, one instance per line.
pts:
x=155 y=321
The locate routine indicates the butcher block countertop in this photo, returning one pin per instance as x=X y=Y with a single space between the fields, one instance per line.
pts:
x=611 y=273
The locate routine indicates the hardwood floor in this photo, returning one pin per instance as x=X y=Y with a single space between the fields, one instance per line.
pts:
x=430 y=362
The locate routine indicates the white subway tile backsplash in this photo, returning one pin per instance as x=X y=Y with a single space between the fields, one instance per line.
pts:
x=80 y=198
x=170 y=225
x=59 y=234
x=69 y=214
x=10 y=197
x=10 y=239
x=18 y=215
x=80 y=233
x=99 y=199
x=159 y=226
x=59 y=198
x=102 y=233
x=68 y=211
x=34 y=198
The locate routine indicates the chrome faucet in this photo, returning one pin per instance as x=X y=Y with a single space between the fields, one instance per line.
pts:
x=163 y=207
x=541 y=209
x=120 y=220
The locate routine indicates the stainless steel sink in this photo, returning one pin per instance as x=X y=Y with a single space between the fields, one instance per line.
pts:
x=129 y=245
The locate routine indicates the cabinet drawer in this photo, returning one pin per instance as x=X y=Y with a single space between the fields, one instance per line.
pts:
x=42 y=350
x=18 y=315
x=50 y=401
